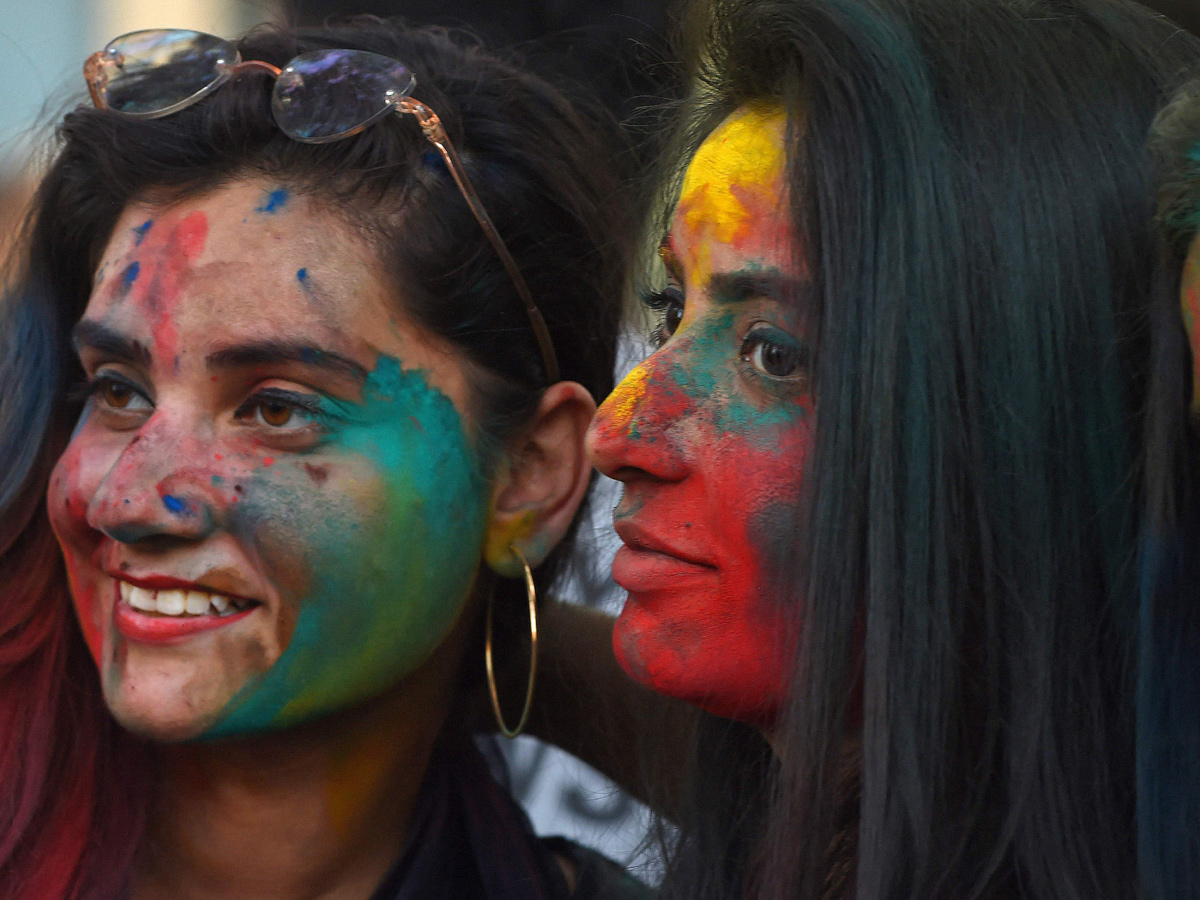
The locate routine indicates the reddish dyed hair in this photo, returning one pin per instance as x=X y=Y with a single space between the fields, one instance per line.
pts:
x=72 y=795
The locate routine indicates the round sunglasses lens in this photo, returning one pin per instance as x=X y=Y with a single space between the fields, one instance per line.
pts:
x=153 y=71
x=324 y=95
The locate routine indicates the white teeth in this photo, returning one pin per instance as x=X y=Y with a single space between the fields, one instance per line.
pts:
x=140 y=598
x=178 y=602
x=197 y=603
x=172 y=603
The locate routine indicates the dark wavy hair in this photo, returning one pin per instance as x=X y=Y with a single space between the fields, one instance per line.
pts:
x=72 y=789
x=971 y=183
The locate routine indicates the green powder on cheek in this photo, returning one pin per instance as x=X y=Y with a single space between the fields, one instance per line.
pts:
x=705 y=372
x=387 y=583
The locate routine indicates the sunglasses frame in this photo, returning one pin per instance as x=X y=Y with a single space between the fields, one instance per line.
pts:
x=400 y=102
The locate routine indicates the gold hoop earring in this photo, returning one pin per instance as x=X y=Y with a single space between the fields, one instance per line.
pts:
x=531 y=593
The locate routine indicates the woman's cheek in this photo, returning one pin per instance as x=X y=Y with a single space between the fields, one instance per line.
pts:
x=73 y=483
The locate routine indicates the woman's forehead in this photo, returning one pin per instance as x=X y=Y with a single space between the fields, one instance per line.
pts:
x=251 y=248
x=746 y=149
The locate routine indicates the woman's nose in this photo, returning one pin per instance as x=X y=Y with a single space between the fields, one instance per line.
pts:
x=157 y=488
x=636 y=430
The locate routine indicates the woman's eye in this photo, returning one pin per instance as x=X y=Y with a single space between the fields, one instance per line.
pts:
x=773 y=358
x=275 y=413
x=113 y=392
x=116 y=395
x=279 y=410
x=669 y=303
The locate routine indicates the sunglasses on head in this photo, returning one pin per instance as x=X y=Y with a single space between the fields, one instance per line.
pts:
x=318 y=97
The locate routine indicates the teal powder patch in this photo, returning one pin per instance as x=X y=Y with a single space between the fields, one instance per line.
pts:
x=388 y=576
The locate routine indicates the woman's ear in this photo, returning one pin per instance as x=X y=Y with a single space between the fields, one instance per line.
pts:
x=540 y=486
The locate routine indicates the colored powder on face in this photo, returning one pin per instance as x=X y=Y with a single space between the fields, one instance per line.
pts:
x=731 y=463
x=387 y=569
x=623 y=402
x=737 y=172
x=139 y=233
x=128 y=277
x=174 y=504
x=160 y=274
x=273 y=202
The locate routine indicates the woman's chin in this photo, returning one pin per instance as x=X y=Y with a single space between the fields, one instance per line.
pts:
x=164 y=703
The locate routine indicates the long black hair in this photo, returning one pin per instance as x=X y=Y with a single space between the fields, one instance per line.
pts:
x=970 y=181
x=70 y=812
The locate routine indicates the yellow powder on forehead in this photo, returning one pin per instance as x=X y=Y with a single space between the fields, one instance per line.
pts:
x=1190 y=300
x=744 y=156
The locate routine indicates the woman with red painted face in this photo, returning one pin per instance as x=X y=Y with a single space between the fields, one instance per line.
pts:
x=297 y=368
x=881 y=473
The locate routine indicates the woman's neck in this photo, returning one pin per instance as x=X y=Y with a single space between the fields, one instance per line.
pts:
x=319 y=811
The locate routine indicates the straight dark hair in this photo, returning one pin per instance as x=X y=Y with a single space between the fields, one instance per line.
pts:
x=73 y=785
x=970 y=182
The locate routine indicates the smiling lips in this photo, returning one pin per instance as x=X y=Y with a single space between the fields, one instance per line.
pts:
x=173 y=611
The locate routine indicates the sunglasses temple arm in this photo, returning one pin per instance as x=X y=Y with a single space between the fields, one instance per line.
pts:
x=437 y=136
x=94 y=76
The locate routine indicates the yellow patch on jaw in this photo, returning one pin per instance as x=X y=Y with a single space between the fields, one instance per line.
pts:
x=739 y=166
x=1190 y=301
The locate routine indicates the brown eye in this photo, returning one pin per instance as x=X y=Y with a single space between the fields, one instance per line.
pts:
x=775 y=356
x=116 y=395
x=274 y=413
x=672 y=316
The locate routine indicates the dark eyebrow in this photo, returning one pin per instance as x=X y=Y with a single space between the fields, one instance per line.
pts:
x=98 y=336
x=735 y=287
x=266 y=353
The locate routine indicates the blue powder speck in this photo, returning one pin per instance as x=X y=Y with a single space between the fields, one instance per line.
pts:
x=140 y=232
x=129 y=276
x=174 y=504
x=302 y=275
x=275 y=201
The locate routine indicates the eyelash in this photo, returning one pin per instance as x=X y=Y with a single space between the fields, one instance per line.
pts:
x=663 y=302
x=90 y=387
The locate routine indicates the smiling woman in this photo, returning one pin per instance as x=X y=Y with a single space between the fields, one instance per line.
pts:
x=316 y=417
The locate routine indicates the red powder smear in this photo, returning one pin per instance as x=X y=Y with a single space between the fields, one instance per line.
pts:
x=268 y=460
x=88 y=608
x=166 y=257
x=718 y=640
x=218 y=456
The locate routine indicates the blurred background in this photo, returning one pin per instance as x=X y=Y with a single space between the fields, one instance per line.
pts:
x=618 y=48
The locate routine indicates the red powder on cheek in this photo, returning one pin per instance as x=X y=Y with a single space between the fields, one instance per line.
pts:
x=721 y=635
x=67 y=505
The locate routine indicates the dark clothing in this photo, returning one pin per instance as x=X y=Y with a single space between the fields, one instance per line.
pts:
x=470 y=840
